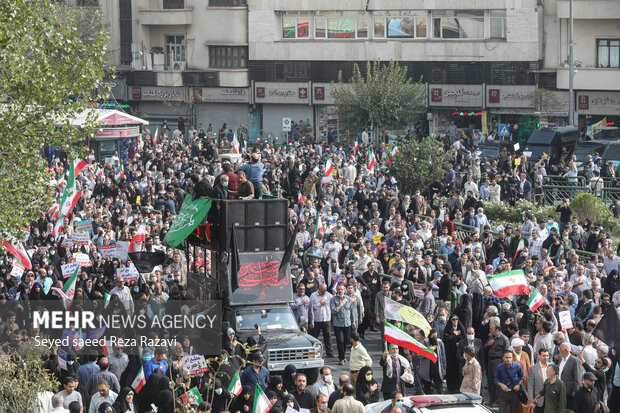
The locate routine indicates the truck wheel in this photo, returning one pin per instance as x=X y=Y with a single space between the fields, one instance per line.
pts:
x=312 y=376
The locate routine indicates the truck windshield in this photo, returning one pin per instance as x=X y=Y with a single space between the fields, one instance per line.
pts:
x=266 y=319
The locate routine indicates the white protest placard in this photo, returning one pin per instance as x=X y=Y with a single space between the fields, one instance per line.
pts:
x=127 y=273
x=82 y=259
x=68 y=269
x=62 y=359
x=17 y=271
x=67 y=243
x=122 y=249
x=565 y=320
x=195 y=364
x=108 y=251
x=80 y=238
x=289 y=409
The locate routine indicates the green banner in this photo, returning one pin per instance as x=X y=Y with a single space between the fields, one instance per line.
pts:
x=189 y=217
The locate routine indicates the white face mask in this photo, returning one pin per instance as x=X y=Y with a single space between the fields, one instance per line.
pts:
x=471 y=337
x=328 y=378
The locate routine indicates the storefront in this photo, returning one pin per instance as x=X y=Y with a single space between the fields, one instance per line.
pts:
x=326 y=113
x=119 y=132
x=222 y=105
x=462 y=104
x=592 y=107
x=159 y=103
x=276 y=101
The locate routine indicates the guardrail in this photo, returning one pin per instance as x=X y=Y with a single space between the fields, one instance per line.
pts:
x=560 y=180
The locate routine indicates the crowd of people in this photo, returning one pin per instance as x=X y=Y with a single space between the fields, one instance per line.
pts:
x=372 y=242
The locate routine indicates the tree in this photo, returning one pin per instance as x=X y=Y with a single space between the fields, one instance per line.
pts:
x=386 y=97
x=418 y=164
x=546 y=102
x=587 y=205
x=48 y=72
x=23 y=377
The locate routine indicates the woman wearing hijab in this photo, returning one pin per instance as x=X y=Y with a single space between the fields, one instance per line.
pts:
x=155 y=385
x=612 y=283
x=452 y=334
x=276 y=386
x=105 y=407
x=245 y=399
x=221 y=397
x=289 y=401
x=465 y=311
x=366 y=388
x=288 y=378
x=124 y=402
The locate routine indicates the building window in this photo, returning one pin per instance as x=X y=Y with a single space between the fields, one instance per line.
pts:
x=295 y=27
x=608 y=52
x=498 y=24
x=175 y=52
x=124 y=21
x=228 y=57
x=227 y=3
x=411 y=26
x=174 y=4
x=458 y=24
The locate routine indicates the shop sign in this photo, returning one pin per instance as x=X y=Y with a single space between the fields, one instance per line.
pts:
x=598 y=103
x=282 y=92
x=319 y=93
x=113 y=133
x=510 y=96
x=456 y=95
x=158 y=93
x=225 y=94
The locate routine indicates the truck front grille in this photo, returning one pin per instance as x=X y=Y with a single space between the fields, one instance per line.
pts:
x=290 y=354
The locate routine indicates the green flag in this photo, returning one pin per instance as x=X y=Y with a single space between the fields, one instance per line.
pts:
x=189 y=217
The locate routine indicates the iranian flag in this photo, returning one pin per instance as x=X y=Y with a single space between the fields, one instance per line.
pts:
x=98 y=171
x=54 y=211
x=388 y=161
x=261 y=402
x=78 y=165
x=235 y=385
x=397 y=336
x=520 y=246
x=156 y=136
x=138 y=239
x=356 y=147
x=138 y=143
x=235 y=142
x=58 y=227
x=107 y=347
x=329 y=168
x=70 y=201
x=371 y=159
x=318 y=227
x=299 y=197
x=139 y=381
x=121 y=174
x=507 y=283
x=536 y=300
x=67 y=292
x=19 y=252
x=106 y=300
x=395 y=150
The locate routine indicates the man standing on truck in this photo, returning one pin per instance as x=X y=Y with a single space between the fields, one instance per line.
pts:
x=342 y=314
x=321 y=316
x=254 y=171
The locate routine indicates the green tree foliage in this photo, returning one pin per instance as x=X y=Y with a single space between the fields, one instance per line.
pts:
x=545 y=101
x=419 y=164
x=22 y=377
x=48 y=71
x=587 y=205
x=385 y=97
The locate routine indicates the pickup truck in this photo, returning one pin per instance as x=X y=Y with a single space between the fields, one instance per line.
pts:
x=284 y=343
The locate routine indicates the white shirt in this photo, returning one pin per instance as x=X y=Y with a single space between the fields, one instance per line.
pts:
x=320 y=312
x=562 y=364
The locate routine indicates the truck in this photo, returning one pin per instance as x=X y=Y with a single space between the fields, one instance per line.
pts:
x=255 y=285
x=550 y=141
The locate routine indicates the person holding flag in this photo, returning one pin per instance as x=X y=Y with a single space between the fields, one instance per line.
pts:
x=394 y=366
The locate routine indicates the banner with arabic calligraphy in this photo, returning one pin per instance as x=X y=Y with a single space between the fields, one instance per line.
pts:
x=259 y=279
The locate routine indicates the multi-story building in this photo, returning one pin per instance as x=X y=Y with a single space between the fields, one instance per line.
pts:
x=596 y=43
x=185 y=58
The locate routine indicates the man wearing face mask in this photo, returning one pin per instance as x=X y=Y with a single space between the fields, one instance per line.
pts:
x=471 y=341
x=321 y=405
x=325 y=385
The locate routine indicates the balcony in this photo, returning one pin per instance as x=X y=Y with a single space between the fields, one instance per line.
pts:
x=589 y=9
x=165 y=17
x=590 y=78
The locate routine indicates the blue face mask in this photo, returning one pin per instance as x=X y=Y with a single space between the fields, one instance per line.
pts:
x=225 y=184
x=70 y=362
x=136 y=289
x=218 y=391
x=398 y=404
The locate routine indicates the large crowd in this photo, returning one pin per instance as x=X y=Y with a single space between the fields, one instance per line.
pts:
x=373 y=242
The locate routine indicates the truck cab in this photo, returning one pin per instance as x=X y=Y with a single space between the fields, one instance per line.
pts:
x=284 y=342
x=550 y=141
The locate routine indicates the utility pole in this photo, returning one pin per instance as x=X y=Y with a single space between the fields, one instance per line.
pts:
x=571 y=69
